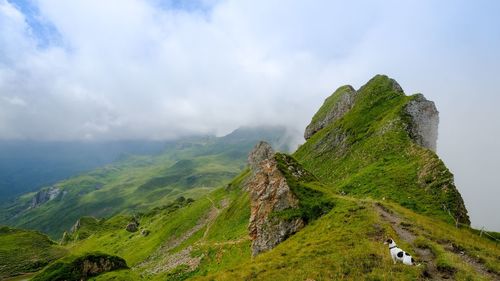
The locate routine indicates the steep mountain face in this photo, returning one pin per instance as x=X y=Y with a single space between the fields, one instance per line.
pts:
x=423 y=128
x=269 y=193
x=380 y=143
x=191 y=167
x=283 y=198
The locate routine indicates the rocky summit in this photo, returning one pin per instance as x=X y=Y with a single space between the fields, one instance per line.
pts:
x=376 y=141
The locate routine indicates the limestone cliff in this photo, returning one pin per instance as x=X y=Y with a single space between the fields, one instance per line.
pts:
x=269 y=193
x=423 y=128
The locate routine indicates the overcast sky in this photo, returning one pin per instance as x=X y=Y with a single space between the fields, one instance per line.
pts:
x=124 y=69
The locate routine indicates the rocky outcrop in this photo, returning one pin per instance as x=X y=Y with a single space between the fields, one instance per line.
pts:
x=93 y=265
x=76 y=226
x=81 y=268
x=260 y=152
x=133 y=225
x=269 y=194
x=334 y=108
x=44 y=196
x=423 y=126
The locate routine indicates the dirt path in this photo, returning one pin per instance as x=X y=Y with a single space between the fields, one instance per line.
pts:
x=230 y=242
x=474 y=263
x=213 y=214
x=425 y=255
x=162 y=260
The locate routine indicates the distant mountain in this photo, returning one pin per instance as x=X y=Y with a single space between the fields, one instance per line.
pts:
x=191 y=166
x=29 y=165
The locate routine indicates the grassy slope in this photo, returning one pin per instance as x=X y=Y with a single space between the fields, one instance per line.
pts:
x=23 y=251
x=345 y=244
x=376 y=158
x=190 y=167
x=223 y=242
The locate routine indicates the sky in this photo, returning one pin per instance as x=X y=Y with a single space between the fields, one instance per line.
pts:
x=151 y=69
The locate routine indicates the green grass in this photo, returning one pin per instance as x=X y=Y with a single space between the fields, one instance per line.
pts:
x=312 y=202
x=134 y=247
x=368 y=153
x=24 y=251
x=190 y=168
x=347 y=244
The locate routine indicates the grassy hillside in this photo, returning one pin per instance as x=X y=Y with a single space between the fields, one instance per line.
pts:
x=24 y=251
x=346 y=244
x=369 y=153
x=208 y=240
x=190 y=167
x=27 y=165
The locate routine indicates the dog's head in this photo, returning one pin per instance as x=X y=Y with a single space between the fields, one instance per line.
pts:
x=389 y=242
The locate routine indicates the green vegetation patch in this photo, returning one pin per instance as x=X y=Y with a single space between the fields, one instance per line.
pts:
x=312 y=202
x=23 y=251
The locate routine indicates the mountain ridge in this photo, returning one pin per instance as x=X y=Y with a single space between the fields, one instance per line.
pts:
x=361 y=177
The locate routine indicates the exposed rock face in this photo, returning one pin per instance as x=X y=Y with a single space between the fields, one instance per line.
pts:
x=423 y=128
x=94 y=265
x=131 y=227
x=76 y=226
x=44 y=195
x=81 y=268
x=269 y=193
x=334 y=108
x=260 y=152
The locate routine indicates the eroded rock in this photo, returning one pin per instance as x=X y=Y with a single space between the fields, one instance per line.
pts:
x=44 y=196
x=423 y=127
x=259 y=153
x=269 y=194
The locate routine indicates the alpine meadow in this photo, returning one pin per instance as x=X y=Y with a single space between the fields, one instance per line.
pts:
x=197 y=140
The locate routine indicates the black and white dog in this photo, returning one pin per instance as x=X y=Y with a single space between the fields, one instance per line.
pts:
x=399 y=255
